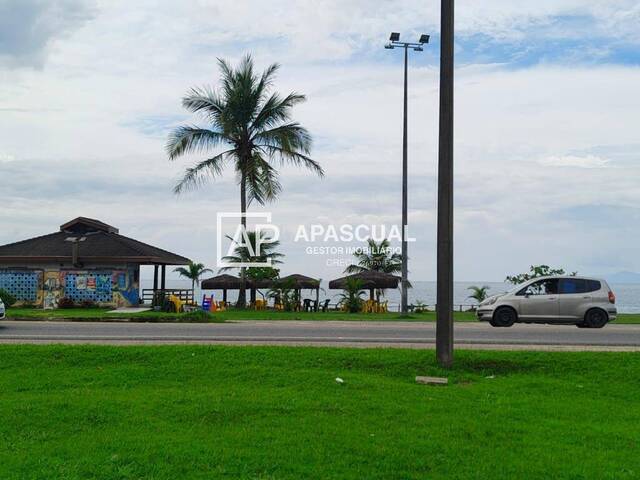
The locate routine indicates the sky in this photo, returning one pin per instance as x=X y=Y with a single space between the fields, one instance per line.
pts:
x=546 y=125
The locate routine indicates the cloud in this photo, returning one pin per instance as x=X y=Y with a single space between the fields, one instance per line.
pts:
x=588 y=161
x=28 y=27
x=535 y=125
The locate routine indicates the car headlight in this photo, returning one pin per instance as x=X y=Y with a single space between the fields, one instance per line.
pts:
x=489 y=301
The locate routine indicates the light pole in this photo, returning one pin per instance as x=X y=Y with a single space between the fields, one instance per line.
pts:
x=394 y=42
x=444 y=308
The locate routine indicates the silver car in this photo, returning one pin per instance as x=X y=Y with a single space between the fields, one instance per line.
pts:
x=1 y=309
x=585 y=302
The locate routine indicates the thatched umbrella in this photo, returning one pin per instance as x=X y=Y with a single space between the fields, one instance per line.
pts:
x=302 y=282
x=370 y=280
x=223 y=282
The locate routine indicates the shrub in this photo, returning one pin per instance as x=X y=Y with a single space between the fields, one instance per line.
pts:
x=420 y=307
x=88 y=304
x=66 y=302
x=7 y=298
x=197 y=316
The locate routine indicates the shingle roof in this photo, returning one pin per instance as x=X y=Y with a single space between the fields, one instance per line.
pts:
x=101 y=242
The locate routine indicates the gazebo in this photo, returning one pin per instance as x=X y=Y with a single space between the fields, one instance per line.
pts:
x=86 y=260
x=371 y=280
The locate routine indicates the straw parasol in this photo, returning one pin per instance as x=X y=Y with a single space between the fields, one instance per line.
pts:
x=224 y=282
x=370 y=280
x=302 y=282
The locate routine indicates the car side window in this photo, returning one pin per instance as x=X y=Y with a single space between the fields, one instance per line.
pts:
x=592 y=286
x=572 y=285
x=548 y=286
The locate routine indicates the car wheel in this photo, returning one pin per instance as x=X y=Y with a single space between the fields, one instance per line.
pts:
x=504 y=317
x=595 y=318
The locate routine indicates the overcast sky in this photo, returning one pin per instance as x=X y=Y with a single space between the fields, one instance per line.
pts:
x=547 y=124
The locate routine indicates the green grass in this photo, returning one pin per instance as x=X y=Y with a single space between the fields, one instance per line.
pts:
x=77 y=412
x=99 y=314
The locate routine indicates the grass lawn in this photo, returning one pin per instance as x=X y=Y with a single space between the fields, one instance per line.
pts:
x=78 y=412
x=98 y=314
x=101 y=314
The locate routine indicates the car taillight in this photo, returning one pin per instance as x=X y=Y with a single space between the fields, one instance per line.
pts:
x=612 y=297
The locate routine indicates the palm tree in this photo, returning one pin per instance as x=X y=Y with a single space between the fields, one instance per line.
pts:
x=193 y=272
x=377 y=257
x=249 y=254
x=256 y=128
x=351 y=297
x=479 y=293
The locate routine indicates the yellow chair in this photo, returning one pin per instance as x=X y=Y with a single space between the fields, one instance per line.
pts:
x=177 y=303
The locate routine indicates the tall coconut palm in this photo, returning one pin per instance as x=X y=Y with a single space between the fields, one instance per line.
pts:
x=253 y=125
x=377 y=257
x=193 y=272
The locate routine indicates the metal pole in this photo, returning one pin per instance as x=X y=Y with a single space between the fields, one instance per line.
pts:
x=403 y=293
x=444 y=311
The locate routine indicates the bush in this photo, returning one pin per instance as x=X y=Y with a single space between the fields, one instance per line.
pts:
x=66 y=302
x=88 y=304
x=7 y=298
x=197 y=316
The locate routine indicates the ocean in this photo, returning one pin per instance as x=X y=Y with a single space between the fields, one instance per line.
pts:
x=627 y=295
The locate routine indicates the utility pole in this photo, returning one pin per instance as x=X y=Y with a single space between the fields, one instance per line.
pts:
x=444 y=309
x=394 y=42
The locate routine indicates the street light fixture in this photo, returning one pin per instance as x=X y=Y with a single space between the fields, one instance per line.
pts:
x=394 y=41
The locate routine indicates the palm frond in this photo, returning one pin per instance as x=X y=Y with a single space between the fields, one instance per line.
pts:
x=195 y=176
x=205 y=101
x=191 y=139
x=293 y=158
x=275 y=110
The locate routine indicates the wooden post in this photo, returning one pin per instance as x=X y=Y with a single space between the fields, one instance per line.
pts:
x=444 y=312
x=155 y=278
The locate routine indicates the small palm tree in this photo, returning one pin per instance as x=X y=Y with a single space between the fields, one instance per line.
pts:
x=256 y=129
x=351 y=297
x=284 y=293
x=193 y=272
x=259 y=249
x=479 y=294
x=379 y=258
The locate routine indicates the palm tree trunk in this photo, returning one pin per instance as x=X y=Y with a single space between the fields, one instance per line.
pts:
x=242 y=294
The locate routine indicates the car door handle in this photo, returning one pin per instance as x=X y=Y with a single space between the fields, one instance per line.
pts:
x=586 y=298
x=553 y=298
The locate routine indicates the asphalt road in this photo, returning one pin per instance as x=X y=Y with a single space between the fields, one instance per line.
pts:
x=398 y=334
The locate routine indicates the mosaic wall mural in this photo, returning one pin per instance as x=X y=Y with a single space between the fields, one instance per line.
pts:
x=46 y=287
x=22 y=284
